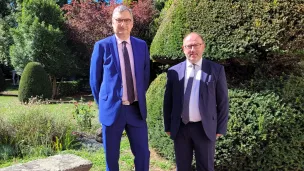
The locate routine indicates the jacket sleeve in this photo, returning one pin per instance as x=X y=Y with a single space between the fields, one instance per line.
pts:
x=96 y=70
x=167 y=108
x=222 y=102
x=147 y=68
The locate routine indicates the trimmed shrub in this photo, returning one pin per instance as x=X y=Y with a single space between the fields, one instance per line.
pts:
x=158 y=139
x=34 y=82
x=68 y=88
x=167 y=43
x=263 y=132
x=2 y=81
x=252 y=30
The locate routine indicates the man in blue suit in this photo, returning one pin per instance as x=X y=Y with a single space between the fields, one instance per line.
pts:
x=195 y=106
x=119 y=79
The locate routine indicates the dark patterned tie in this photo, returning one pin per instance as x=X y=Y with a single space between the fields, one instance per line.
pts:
x=185 y=113
x=128 y=72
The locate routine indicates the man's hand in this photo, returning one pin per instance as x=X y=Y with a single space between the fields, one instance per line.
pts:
x=168 y=133
x=218 y=135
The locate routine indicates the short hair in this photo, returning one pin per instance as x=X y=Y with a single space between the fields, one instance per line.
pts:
x=122 y=8
x=196 y=34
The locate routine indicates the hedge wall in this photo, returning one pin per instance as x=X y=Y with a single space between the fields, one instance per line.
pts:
x=263 y=132
x=252 y=30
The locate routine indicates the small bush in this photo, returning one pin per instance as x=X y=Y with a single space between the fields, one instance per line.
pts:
x=84 y=114
x=34 y=82
x=2 y=81
x=68 y=88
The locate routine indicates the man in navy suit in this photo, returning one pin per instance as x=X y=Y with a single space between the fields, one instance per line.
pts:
x=119 y=79
x=195 y=106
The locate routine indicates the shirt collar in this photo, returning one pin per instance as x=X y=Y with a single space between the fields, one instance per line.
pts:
x=119 y=41
x=198 y=63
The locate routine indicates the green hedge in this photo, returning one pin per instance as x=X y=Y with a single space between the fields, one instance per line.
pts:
x=34 y=82
x=167 y=43
x=263 y=132
x=253 y=30
x=158 y=139
x=68 y=88
x=2 y=81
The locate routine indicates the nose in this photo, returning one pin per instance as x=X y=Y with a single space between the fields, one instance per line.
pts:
x=192 y=48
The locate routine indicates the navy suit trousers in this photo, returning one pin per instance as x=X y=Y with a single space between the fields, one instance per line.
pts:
x=192 y=137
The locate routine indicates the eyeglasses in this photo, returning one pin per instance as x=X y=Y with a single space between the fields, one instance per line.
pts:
x=120 y=21
x=195 y=46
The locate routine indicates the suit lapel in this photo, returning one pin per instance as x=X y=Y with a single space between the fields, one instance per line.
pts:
x=114 y=52
x=181 y=78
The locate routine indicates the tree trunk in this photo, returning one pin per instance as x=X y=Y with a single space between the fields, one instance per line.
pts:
x=54 y=86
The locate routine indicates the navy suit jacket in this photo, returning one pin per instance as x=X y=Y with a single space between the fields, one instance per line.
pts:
x=213 y=99
x=106 y=81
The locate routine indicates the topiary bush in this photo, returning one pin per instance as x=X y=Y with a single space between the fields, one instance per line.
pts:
x=167 y=43
x=34 y=82
x=250 y=30
x=2 y=81
x=158 y=139
x=263 y=132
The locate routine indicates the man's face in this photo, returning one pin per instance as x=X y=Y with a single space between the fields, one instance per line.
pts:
x=193 y=47
x=122 y=23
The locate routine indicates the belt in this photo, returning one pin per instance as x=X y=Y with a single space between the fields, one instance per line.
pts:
x=127 y=103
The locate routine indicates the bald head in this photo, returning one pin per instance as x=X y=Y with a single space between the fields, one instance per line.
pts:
x=193 y=47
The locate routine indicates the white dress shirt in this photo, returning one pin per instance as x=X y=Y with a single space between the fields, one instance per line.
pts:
x=122 y=67
x=194 y=112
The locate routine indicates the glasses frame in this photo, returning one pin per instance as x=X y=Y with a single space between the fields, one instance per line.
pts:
x=195 y=46
x=125 y=21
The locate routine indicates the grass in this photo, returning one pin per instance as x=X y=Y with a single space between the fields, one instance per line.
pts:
x=10 y=106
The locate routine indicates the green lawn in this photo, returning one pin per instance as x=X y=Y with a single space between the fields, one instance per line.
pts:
x=10 y=106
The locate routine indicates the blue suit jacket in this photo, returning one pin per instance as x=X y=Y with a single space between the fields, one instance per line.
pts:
x=106 y=81
x=213 y=99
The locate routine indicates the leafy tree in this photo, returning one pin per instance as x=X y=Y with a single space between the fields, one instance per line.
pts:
x=5 y=42
x=4 y=10
x=89 y=21
x=39 y=37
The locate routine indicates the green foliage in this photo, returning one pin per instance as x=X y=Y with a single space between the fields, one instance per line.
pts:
x=68 y=88
x=252 y=30
x=5 y=42
x=84 y=114
x=34 y=82
x=263 y=134
x=158 y=139
x=167 y=43
x=2 y=81
x=34 y=132
x=290 y=88
x=39 y=38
